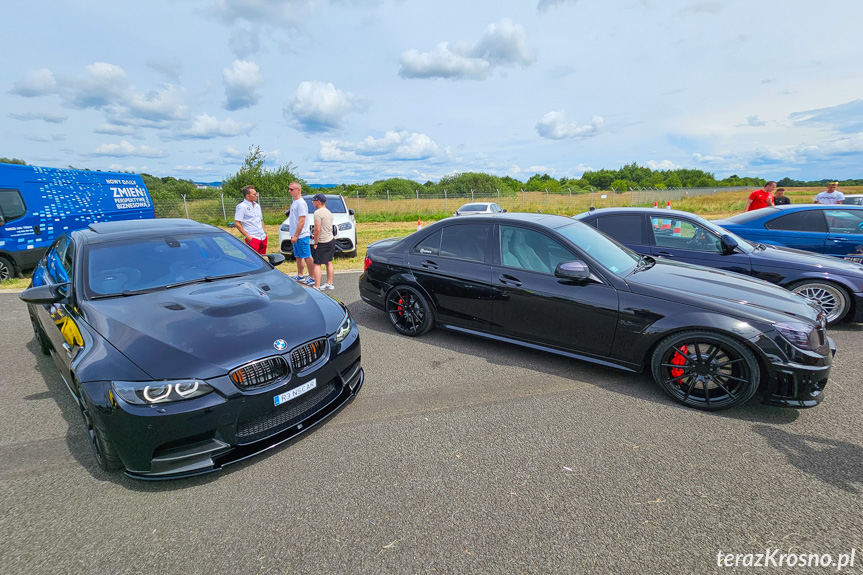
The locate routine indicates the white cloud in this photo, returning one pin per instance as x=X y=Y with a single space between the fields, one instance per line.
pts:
x=392 y=146
x=320 y=107
x=166 y=104
x=104 y=84
x=124 y=148
x=207 y=126
x=754 y=121
x=232 y=153
x=554 y=126
x=44 y=116
x=662 y=165
x=544 y=5
x=242 y=80
x=36 y=83
x=122 y=168
x=114 y=130
x=503 y=44
x=288 y=14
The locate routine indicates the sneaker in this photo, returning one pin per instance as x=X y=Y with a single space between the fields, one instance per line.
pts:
x=328 y=286
x=309 y=281
x=299 y=278
x=322 y=288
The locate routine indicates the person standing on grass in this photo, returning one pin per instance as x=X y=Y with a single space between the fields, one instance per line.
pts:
x=324 y=243
x=831 y=195
x=300 y=222
x=249 y=220
x=761 y=198
x=779 y=198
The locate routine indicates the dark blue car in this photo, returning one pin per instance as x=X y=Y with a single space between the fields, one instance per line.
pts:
x=835 y=230
x=835 y=285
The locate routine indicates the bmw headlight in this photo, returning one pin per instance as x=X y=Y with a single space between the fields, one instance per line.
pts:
x=285 y=228
x=148 y=393
x=799 y=335
x=345 y=226
x=344 y=329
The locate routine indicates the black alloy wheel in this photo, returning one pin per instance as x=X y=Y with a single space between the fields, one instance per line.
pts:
x=102 y=447
x=7 y=270
x=409 y=312
x=705 y=370
x=830 y=297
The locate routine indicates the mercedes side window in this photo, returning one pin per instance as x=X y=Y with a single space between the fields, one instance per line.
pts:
x=803 y=221
x=11 y=206
x=465 y=241
x=430 y=246
x=844 y=221
x=627 y=228
x=531 y=250
x=681 y=234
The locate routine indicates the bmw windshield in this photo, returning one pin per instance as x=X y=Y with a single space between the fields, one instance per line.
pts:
x=140 y=265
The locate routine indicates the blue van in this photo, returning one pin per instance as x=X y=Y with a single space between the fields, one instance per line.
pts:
x=39 y=204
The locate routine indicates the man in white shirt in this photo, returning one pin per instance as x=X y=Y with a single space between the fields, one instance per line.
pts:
x=300 y=222
x=249 y=220
x=831 y=195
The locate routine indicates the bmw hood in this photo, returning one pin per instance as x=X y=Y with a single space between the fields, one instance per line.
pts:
x=205 y=330
x=728 y=292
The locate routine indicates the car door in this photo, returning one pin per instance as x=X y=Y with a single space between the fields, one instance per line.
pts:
x=533 y=305
x=844 y=232
x=801 y=229
x=453 y=265
x=60 y=320
x=684 y=240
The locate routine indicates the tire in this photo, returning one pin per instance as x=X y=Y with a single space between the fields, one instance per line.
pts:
x=409 y=312
x=705 y=370
x=832 y=298
x=101 y=445
x=44 y=344
x=7 y=270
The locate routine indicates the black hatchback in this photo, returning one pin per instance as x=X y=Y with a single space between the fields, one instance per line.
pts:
x=711 y=339
x=834 y=284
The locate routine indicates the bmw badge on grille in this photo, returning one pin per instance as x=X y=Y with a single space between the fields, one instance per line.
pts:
x=280 y=344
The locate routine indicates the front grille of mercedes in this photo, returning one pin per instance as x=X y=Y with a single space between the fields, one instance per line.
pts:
x=307 y=354
x=260 y=373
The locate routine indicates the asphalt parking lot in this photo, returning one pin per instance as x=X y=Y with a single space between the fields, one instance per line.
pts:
x=458 y=456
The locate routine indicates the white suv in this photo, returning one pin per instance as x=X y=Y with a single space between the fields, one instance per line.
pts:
x=343 y=219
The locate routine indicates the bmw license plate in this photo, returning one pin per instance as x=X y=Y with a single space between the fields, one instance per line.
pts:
x=296 y=392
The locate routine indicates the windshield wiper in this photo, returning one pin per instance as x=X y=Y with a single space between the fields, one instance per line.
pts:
x=645 y=262
x=204 y=279
x=127 y=293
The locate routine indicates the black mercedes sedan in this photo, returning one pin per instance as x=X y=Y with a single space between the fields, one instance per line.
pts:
x=184 y=349
x=834 y=284
x=711 y=339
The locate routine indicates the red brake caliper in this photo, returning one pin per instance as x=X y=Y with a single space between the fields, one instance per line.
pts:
x=678 y=360
x=400 y=309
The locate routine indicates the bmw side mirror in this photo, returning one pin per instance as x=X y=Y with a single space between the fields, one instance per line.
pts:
x=574 y=270
x=44 y=294
x=729 y=244
x=276 y=259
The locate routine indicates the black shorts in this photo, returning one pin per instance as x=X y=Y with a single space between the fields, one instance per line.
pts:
x=323 y=254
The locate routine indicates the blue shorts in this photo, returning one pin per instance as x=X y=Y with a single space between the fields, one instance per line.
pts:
x=302 y=249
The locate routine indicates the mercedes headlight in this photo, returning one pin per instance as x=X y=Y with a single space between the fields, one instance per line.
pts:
x=344 y=329
x=285 y=228
x=148 y=393
x=345 y=226
x=799 y=335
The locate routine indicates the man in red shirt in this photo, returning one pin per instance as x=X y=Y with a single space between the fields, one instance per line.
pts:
x=761 y=198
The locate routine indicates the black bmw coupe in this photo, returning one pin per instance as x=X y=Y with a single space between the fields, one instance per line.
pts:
x=710 y=338
x=185 y=349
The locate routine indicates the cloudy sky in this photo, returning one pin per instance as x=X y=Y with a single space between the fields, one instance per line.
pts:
x=361 y=90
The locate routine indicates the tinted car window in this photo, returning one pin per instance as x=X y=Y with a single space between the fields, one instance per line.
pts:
x=466 y=242
x=429 y=246
x=614 y=257
x=158 y=262
x=803 y=221
x=625 y=228
x=844 y=221
x=684 y=235
x=531 y=250
x=11 y=205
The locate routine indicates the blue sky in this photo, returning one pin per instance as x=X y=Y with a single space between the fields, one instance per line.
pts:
x=361 y=90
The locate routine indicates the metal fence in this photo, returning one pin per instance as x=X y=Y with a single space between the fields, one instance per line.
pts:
x=566 y=201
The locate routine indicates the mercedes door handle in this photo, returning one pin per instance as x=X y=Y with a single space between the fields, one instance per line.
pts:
x=509 y=280
x=430 y=265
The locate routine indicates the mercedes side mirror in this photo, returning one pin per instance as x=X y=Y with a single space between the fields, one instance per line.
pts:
x=574 y=270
